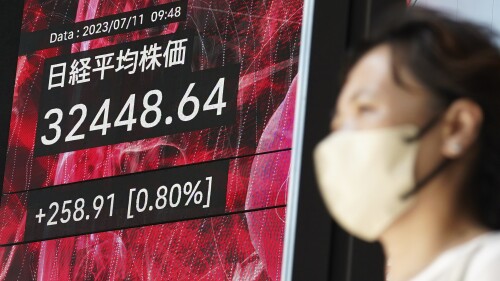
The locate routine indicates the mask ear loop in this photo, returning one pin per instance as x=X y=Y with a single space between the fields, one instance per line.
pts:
x=426 y=179
x=422 y=132
x=439 y=167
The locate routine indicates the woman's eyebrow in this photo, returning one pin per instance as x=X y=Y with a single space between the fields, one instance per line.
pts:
x=360 y=94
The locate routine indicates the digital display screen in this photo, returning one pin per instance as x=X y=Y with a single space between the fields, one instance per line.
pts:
x=150 y=140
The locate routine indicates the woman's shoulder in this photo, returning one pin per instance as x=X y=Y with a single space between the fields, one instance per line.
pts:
x=475 y=260
x=485 y=261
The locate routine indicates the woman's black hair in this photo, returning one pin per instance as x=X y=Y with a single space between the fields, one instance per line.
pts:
x=453 y=59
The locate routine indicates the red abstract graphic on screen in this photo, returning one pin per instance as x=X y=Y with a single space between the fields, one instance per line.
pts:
x=243 y=243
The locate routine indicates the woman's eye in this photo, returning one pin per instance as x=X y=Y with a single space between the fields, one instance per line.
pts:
x=365 y=108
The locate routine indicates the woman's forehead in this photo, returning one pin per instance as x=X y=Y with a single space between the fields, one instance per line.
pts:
x=371 y=73
x=373 y=77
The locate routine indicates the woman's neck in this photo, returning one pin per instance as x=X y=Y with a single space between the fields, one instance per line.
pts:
x=429 y=228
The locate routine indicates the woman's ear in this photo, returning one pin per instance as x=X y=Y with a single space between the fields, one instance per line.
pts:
x=462 y=124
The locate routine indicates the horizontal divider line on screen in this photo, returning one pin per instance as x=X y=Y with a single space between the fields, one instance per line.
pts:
x=149 y=171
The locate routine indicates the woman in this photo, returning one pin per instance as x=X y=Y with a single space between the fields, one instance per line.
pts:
x=413 y=160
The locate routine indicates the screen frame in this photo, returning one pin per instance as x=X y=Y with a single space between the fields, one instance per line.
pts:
x=316 y=248
x=309 y=229
x=10 y=33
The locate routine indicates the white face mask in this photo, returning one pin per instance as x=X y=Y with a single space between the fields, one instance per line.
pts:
x=364 y=175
